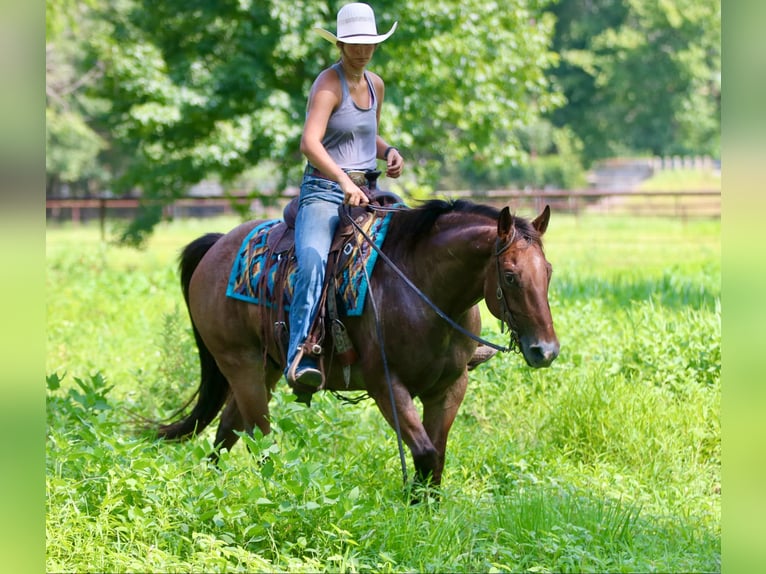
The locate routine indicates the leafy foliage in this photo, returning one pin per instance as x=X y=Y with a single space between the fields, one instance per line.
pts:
x=554 y=162
x=641 y=77
x=154 y=97
x=211 y=89
x=72 y=143
x=71 y=146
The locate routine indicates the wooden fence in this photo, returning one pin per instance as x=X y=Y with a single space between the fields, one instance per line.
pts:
x=679 y=204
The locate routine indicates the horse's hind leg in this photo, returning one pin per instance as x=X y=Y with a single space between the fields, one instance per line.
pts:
x=251 y=380
x=231 y=422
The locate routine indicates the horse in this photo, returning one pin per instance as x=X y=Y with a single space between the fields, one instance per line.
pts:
x=451 y=253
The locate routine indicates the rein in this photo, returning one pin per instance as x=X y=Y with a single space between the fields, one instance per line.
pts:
x=391 y=397
x=498 y=251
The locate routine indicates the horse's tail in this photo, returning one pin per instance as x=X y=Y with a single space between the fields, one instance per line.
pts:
x=214 y=387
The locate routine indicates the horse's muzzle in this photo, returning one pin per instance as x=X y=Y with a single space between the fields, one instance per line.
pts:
x=540 y=354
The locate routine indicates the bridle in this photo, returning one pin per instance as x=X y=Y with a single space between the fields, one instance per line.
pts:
x=506 y=317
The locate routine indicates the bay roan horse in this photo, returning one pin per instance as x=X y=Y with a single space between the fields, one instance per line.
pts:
x=456 y=253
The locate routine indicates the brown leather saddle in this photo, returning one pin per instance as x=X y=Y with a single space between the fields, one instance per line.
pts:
x=281 y=243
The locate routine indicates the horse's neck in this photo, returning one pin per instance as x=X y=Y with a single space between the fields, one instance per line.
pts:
x=450 y=265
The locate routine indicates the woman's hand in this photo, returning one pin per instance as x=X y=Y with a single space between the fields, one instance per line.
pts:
x=394 y=163
x=352 y=195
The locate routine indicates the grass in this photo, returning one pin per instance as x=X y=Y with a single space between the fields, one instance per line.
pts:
x=683 y=180
x=608 y=461
x=697 y=194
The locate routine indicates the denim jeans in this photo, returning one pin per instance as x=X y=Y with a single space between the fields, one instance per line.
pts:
x=315 y=226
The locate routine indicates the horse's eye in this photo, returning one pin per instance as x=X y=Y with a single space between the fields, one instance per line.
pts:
x=510 y=277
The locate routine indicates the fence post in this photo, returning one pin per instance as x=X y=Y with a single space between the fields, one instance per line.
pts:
x=102 y=217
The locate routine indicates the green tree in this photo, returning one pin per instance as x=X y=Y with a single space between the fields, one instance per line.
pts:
x=72 y=145
x=202 y=88
x=640 y=77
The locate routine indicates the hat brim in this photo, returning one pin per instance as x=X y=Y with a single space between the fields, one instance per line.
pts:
x=362 y=39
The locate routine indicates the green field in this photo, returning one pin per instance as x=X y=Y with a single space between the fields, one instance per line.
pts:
x=609 y=461
x=683 y=180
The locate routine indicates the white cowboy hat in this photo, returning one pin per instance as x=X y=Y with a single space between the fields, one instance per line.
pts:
x=356 y=25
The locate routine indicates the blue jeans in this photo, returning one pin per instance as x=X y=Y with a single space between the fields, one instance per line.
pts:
x=315 y=227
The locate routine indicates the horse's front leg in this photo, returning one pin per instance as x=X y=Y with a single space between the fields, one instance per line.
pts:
x=424 y=454
x=439 y=411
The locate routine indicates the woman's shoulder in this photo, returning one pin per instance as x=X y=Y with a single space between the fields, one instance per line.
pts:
x=327 y=78
x=327 y=81
x=376 y=80
x=375 y=77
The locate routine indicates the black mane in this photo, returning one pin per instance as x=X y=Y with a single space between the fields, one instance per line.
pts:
x=417 y=222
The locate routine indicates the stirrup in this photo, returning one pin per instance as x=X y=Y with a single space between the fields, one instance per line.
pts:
x=294 y=375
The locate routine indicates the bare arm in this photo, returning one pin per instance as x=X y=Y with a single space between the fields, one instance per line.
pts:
x=324 y=97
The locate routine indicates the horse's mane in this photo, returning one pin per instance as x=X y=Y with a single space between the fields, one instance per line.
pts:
x=417 y=222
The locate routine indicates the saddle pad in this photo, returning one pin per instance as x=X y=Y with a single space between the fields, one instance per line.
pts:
x=351 y=283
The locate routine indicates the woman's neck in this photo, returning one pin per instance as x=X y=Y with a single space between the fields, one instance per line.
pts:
x=353 y=74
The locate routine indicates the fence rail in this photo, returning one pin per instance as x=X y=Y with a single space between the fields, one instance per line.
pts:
x=683 y=204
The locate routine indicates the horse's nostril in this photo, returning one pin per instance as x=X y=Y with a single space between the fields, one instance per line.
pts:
x=544 y=353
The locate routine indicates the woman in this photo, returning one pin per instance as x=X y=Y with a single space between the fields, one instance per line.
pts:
x=340 y=138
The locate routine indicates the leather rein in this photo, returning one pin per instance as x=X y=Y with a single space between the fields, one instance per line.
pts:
x=507 y=317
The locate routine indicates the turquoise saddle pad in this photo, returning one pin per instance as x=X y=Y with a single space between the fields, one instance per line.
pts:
x=248 y=268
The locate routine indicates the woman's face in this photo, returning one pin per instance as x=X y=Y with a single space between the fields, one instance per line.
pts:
x=358 y=55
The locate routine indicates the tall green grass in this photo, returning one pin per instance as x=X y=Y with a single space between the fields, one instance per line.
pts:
x=607 y=461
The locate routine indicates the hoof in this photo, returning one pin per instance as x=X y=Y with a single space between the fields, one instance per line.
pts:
x=482 y=354
x=420 y=494
x=304 y=398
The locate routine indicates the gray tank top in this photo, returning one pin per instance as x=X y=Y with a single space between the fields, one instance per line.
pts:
x=350 y=137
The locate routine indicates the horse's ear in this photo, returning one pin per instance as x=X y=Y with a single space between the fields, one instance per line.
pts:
x=504 y=223
x=541 y=222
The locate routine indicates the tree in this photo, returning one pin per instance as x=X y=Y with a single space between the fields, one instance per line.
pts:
x=72 y=146
x=640 y=77
x=201 y=88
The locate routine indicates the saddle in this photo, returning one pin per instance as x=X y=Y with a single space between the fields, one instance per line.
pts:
x=281 y=243
x=282 y=237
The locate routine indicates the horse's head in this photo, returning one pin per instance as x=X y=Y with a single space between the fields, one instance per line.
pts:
x=516 y=287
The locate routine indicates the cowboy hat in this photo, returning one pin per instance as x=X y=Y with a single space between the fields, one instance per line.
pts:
x=356 y=25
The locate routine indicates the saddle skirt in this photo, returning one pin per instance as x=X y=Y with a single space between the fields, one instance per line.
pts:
x=266 y=262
